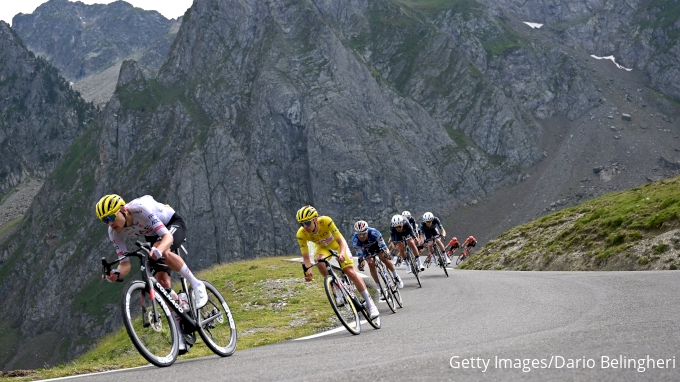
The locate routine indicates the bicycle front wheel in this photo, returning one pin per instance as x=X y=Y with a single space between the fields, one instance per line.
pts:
x=153 y=333
x=414 y=267
x=460 y=259
x=216 y=324
x=442 y=260
x=395 y=290
x=342 y=305
x=386 y=289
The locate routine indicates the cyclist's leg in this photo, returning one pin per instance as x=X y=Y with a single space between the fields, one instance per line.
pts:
x=321 y=253
x=354 y=276
x=164 y=279
x=416 y=253
x=402 y=250
x=371 y=268
x=414 y=248
x=385 y=257
x=439 y=244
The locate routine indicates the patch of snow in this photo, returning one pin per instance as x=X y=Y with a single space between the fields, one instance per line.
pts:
x=533 y=25
x=610 y=58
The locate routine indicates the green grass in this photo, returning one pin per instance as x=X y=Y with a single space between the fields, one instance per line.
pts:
x=601 y=229
x=268 y=297
x=11 y=225
x=436 y=6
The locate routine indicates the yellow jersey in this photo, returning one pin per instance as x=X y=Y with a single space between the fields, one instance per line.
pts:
x=325 y=236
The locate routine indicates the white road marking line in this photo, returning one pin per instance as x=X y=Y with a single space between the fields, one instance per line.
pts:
x=336 y=330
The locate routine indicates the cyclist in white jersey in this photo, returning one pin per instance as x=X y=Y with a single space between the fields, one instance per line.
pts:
x=160 y=225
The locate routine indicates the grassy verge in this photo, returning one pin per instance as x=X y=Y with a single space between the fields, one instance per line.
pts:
x=269 y=300
x=629 y=230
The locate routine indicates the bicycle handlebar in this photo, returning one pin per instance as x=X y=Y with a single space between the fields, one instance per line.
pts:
x=106 y=266
x=433 y=238
x=325 y=259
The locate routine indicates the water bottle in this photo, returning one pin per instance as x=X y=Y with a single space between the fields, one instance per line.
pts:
x=184 y=301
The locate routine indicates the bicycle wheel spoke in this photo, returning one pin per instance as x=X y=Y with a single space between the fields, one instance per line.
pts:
x=216 y=324
x=152 y=331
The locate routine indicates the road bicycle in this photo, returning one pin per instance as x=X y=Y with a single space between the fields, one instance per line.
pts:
x=436 y=255
x=464 y=255
x=388 y=285
x=342 y=295
x=149 y=313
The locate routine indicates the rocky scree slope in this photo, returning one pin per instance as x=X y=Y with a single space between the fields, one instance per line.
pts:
x=88 y=43
x=360 y=108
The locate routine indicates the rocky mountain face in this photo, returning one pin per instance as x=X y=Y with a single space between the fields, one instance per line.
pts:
x=85 y=41
x=361 y=108
x=40 y=115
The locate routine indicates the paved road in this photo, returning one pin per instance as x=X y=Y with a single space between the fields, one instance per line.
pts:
x=482 y=316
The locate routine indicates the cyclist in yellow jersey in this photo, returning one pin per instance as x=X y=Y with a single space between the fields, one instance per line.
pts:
x=321 y=231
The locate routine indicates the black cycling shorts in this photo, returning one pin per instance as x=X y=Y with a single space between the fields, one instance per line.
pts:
x=178 y=230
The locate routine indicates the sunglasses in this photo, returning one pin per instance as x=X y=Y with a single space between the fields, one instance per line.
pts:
x=306 y=224
x=362 y=233
x=109 y=219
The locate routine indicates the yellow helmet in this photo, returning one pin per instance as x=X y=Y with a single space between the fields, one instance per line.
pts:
x=306 y=213
x=108 y=205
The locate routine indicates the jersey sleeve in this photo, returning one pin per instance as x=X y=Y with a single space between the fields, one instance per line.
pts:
x=333 y=229
x=376 y=237
x=143 y=211
x=302 y=239
x=118 y=243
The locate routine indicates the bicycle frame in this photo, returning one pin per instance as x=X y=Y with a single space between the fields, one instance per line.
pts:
x=338 y=280
x=191 y=320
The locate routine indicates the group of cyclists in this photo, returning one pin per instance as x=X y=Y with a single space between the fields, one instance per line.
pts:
x=162 y=226
x=368 y=241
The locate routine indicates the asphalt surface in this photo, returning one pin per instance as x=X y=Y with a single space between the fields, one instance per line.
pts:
x=507 y=325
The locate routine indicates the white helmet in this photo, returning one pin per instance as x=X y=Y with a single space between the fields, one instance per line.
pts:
x=406 y=214
x=428 y=217
x=397 y=221
x=361 y=226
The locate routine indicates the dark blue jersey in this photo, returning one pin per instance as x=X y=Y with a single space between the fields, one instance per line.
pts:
x=414 y=225
x=406 y=232
x=432 y=229
x=374 y=243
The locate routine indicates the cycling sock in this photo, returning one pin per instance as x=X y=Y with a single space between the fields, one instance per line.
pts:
x=394 y=273
x=367 y=297
x=186 y=273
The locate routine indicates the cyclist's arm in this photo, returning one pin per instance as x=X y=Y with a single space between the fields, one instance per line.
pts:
x=163 y=245
x=308 y=263
x=120 y=272
x=344 y=250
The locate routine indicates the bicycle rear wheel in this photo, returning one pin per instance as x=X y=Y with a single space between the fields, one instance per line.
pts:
x=216 y=324
x=342 y=305
x=460 y=258
x=386 y=289
x=154 y=335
